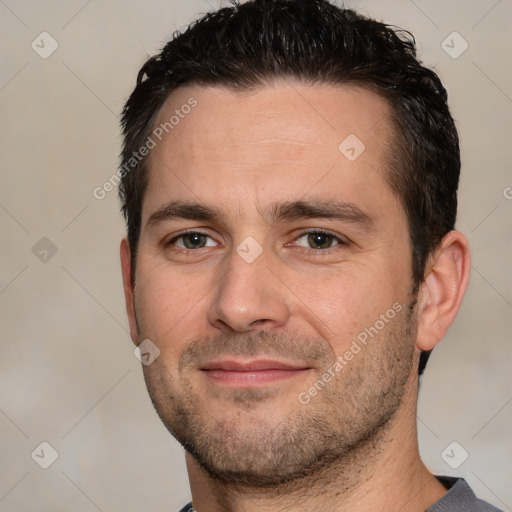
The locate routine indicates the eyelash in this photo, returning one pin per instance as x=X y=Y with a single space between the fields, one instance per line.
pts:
x=185 y=233
x=340 y=241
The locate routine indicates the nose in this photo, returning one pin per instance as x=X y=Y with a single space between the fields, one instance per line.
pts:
x=249 y=296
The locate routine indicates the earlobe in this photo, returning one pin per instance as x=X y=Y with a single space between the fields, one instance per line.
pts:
x=129 y=292
x=442 y=290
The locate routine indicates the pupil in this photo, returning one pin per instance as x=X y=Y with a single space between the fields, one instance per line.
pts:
x=319 y=239
x=194 y=240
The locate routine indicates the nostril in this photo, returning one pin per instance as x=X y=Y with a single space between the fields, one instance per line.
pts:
x=262 y=321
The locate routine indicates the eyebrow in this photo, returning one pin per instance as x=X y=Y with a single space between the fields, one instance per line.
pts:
x=336 y=210
x=182 y=210
x=282 y=211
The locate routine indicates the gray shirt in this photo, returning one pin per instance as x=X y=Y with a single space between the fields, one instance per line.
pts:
x=459 y=498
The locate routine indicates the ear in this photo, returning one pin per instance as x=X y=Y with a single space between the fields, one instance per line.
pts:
x=442 y=290
x=129 y=292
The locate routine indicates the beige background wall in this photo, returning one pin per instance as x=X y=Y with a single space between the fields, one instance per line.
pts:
x=68 y=374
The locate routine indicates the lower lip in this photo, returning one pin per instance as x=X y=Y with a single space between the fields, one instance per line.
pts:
x=251 y=378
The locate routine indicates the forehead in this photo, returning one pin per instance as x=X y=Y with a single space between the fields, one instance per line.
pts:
x=287 y=140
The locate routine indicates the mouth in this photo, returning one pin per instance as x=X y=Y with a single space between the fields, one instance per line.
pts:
x=252 y=373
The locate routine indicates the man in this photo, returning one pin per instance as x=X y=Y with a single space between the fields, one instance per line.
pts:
x=289 y=182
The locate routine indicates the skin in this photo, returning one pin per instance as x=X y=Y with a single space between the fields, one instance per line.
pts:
x=353 y=446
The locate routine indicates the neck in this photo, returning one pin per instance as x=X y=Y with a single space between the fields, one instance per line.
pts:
x=385 y=474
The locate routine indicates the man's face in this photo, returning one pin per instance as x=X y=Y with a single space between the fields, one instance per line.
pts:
x=279 y=254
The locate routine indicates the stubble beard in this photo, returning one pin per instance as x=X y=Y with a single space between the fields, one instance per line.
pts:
x=345 y=422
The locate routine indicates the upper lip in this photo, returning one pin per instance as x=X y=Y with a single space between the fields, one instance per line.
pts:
x=251 y=365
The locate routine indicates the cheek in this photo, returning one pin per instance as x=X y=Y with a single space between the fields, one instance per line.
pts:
x=344 y=306
x=168 y=305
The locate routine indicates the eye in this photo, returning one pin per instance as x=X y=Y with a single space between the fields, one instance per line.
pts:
x=318 y=240
x=192 y=240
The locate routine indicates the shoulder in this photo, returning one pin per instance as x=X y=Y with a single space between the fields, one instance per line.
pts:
x=460 y=497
